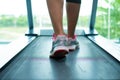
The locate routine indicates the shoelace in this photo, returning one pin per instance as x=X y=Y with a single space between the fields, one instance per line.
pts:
x=61 y=40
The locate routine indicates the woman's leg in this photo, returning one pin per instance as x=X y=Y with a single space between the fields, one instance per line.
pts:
x=55 y=8
x=59 y=48
x=72 y=7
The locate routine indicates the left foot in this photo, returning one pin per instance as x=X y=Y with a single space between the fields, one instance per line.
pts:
x=59 y=47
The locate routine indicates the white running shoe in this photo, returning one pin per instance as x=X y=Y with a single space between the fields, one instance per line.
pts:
x=59 y=47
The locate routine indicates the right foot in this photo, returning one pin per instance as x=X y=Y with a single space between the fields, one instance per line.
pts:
x=73 y=43
x=59 y=47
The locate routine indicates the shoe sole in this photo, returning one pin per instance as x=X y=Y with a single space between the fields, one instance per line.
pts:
x=59 y=54
x=73 y=48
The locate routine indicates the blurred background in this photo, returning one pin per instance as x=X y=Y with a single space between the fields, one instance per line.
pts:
x=14 y=23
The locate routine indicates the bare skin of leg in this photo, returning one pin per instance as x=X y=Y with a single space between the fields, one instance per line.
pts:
x=72 y=16
x=55 y=8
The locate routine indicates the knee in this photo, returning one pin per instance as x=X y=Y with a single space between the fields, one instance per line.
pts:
x=74 y=1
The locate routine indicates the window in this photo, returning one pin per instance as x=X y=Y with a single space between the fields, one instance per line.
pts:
x=108 y=19
x=42 y=19
x=13 y=20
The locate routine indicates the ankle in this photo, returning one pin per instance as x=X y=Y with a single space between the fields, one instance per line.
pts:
x=58 y=35
x=72 y=37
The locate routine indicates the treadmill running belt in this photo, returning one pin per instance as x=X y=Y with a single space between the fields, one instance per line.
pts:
x=87 y=62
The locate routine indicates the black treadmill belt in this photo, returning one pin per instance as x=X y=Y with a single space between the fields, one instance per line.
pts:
x=88 y=62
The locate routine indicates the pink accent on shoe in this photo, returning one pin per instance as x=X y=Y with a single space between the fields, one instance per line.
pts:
x=74 y=37
x=55 y=36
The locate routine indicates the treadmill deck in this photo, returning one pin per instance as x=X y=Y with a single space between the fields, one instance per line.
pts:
x=87 y=62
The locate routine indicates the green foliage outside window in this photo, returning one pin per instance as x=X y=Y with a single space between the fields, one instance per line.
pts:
x=11 y=20
x=102 y=20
